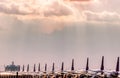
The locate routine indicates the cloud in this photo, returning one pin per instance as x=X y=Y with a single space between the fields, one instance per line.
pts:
x=16 y=8
x=11 y=10
x=30 y=7
x=57 y=9
x=52 y=15
x=102 y=16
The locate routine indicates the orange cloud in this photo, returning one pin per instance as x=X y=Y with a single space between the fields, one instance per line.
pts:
x=79 y=0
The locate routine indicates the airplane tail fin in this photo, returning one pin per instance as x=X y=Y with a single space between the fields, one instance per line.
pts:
x=39 y=67
x=23 y=68
x=28 y=68
x=117 y=65
x=102 y=64
x=45 y=67
x=34 y=69
x=72 y=68
x=62 y=68
x=87 y=64
x=53 y=67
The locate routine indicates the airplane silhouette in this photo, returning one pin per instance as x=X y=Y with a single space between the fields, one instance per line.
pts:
x=28 y=68
x=39 y=67
x=23 y=69
x=34 y=69
x=116 y=72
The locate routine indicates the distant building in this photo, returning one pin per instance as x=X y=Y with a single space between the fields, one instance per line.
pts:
x=12 y=67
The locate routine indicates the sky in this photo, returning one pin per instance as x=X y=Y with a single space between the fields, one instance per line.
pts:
x=47 y=31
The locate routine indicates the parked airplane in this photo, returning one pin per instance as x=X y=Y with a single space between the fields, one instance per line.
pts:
x=86 y=73
x=72 y=73
x=44 y=73
x=62 y=73
x=52 y=74
x=100 y=73
x=116 y=73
